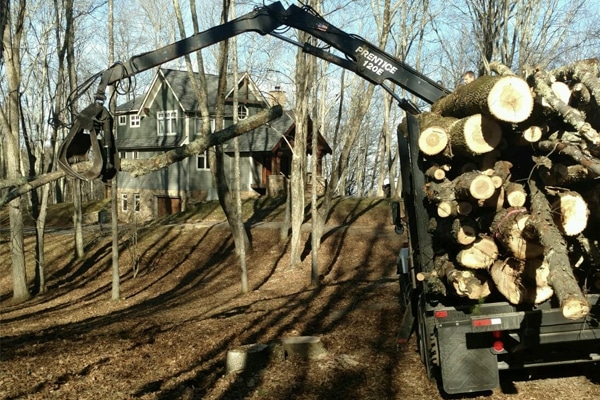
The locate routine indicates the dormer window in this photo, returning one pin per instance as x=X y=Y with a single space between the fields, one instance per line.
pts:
x=242 y=112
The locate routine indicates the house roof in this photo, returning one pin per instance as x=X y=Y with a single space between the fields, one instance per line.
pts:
x=180 y=83
x=264 y=138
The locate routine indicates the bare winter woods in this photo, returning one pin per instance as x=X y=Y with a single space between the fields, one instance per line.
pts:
x=49 y=49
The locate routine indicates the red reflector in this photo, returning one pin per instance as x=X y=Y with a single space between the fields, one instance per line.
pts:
x=498 y=345
x=497 y=334
x=441 y=314
x=487 y=322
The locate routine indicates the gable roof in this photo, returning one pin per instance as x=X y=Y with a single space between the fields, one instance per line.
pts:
x=181 y=85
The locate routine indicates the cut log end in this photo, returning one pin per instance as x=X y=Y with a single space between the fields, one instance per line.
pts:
x=510 y=100
x=433 y=140
x=481 y=134
x=571 y=213
x=482 y=187
x=574 y=309
x=533 y=134
x=478 y=255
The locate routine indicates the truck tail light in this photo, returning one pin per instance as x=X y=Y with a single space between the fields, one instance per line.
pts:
x=498 y=345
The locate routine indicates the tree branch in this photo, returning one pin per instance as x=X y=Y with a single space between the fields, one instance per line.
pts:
x=142 y=167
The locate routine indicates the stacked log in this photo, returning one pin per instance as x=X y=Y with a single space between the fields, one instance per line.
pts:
x=512 y=187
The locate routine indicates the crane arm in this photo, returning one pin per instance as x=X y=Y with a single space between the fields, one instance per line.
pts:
x=92 y=128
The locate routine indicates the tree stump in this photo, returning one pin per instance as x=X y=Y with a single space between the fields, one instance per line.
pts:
x=251 y=356
x=309 y=347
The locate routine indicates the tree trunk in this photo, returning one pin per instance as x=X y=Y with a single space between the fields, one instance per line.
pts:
x=433 y=138
x=40 y=224
x=318 y=219
x=461 y=231
x=305 y=67
x=241 y=246
x=77 y=218
x=9 y=122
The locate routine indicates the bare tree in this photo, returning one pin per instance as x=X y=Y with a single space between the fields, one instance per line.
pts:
x=12 y=40
x=239 y=221
x=519 y=32
x=305 y=69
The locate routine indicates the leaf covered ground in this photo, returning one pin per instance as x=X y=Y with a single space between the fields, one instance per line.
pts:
x=168 y=336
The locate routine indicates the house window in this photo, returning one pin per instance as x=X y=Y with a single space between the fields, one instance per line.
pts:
x=242 y=111
x=134 y=121
x=166 y=122
x=136 y=202
x=124 y=207
x=122 y=119
x=129 y=155
x=202 y=161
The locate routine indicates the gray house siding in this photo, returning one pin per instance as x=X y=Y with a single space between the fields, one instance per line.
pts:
x=263 y=152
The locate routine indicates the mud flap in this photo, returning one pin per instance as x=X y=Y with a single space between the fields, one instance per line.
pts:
x=92 y=130
x=465 y=369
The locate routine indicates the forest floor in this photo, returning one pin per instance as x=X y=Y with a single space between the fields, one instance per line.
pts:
x=169 y=334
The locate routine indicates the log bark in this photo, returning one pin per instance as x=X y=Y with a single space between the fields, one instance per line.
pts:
x=140 y=167
x=573 y=151
x=437 y=172
x=506 y=98
x=572 y=301
x=584 y=71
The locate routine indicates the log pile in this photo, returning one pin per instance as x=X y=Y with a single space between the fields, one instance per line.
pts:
x=512 y=169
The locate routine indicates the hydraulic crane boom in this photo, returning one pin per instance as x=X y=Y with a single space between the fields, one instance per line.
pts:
x=361 y=57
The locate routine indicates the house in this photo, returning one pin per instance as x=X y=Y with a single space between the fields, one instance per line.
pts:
x=167 y=116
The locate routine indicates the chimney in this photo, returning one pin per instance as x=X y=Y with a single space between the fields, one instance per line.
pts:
x=277 y=96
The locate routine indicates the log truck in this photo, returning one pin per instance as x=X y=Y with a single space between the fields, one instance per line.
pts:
x=464 y=344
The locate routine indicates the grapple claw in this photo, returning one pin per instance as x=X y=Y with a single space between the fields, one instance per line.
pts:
x=92 y=130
